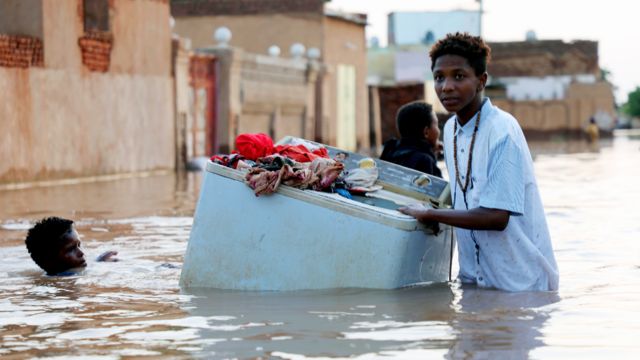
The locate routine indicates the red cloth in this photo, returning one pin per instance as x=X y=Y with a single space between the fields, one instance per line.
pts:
x=254 y=146
x=300 y=153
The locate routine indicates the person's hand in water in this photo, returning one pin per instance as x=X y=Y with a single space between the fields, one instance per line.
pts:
x=108 y=256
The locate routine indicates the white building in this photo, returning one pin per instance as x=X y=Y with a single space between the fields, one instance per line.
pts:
x=426 y=27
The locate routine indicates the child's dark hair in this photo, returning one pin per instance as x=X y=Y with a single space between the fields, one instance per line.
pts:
x=412 y=118
x=472 y=48
x=45 y=237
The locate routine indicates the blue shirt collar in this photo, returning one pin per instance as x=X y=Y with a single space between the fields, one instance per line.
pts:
x=470 y=125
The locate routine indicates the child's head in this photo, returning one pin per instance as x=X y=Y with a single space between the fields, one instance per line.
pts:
x=54 y=245
x=416 y=120
x=459 y=64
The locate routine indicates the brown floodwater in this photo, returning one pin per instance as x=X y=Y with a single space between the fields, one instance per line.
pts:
x=135 y=308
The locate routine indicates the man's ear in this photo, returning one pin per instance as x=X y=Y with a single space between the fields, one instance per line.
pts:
x=483 y=81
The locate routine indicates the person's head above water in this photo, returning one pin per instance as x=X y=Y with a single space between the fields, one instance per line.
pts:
x=54 y=245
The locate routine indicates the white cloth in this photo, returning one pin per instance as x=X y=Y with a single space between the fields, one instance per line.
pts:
x=520 y=258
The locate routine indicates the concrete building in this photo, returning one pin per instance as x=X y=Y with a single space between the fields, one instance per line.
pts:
x=426 y=27
x=86 y=88
x=256 y=25
x=548 y=85
x=551 y=85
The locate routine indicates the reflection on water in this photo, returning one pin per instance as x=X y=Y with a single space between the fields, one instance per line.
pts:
x=134 y=308
x=325 y=323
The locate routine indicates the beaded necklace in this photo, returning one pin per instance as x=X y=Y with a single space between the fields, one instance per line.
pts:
x=455 y=153
x=467 y=176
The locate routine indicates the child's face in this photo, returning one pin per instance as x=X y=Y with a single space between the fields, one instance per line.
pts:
x=456 y=83
x=69 y=255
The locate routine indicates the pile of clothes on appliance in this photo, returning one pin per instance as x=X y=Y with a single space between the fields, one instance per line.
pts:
x=300 y=164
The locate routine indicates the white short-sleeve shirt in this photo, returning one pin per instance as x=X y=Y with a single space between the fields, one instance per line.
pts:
x=519 y=258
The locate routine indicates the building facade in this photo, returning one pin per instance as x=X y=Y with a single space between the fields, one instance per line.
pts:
x=426 y=27
x=87 y=88
x=340 y=113
x=552 y=85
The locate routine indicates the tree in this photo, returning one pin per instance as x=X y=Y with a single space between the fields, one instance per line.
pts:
x=632 y=107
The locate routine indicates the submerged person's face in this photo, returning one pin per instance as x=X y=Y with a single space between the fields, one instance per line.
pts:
x=70 y=256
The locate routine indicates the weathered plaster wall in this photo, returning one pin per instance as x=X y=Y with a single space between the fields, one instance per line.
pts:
x=65 y=121
x=345 y=43
x=140 y=30
x=62 y=25
x=340 y=42
x=254 y=33
x=258 y=93
x=60 y=124
x=570 y=114
x=141 y=37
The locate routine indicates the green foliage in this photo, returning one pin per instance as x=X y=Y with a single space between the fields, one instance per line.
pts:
x=632 y=107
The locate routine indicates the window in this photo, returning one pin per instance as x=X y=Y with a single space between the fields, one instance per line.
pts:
x=96 y=15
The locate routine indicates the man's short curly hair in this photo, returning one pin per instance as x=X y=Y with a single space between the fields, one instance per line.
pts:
x=45 y=238
x=412 y=118
x=470 y=47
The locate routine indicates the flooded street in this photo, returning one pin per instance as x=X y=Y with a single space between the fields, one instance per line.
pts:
x=135 y=308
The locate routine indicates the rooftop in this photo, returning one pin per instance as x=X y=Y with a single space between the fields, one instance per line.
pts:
x=543 y=58
x=183 y=8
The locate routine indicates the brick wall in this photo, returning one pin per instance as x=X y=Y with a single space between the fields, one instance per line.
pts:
x=391 y=99
x=96 y=50
x=244 y=7
x=20 y=51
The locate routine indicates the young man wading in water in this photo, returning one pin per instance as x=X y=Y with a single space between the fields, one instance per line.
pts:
x=502 y=234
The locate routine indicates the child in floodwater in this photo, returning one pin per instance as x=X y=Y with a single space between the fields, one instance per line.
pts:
x=55 y=247
x=502 y=234
x=419 y=142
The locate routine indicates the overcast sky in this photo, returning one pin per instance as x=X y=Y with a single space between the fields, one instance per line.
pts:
x=615 y=24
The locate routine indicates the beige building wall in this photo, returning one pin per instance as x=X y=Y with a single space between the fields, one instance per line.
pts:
x=345 y=44
x=341 y=43
x=572 y=114
x=58 y=124
x=62 y=23
x=64 y=121
x=262 y=94
x=591 y=100
x=141 y=38
x=140 y=30
x=254 y=33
